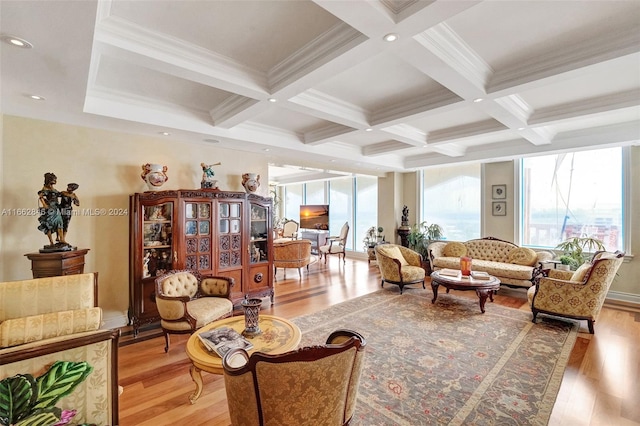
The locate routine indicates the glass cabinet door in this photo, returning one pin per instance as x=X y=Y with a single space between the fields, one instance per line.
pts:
x=229 y=234
x=157 y=239
x=259 y=246
x=197 y=235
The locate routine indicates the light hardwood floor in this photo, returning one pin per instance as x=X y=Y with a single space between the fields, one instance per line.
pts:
x=601 y=385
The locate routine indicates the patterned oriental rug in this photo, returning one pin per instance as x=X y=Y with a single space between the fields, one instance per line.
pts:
x=448 y=364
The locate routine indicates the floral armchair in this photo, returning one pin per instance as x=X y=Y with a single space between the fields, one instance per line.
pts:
x=188 y=301
x=580 y=294
x=399 y=265
x=315 y=385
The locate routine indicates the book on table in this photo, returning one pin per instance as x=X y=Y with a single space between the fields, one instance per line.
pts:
x=480 y=275
x=449 y=272
x=221 y=340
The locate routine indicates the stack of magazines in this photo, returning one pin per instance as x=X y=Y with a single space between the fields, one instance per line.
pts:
x=449 y=272
x=480 y=275
x=221 y=340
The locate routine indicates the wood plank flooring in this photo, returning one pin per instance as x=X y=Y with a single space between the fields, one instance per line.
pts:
x=601 y=385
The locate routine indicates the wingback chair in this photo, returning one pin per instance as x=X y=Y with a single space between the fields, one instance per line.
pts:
x=187 y=301
x=580 y=294
x=399 y=265
x=337 y=245
x=315 y=385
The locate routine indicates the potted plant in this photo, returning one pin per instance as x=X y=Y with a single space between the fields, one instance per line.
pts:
x=421 y=235
x=577 y=250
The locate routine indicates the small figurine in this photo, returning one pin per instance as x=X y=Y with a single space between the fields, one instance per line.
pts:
x=405 y=216
x=68 y=199
x=207 y=176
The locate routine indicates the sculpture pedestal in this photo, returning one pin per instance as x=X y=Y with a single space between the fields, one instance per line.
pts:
x=57 y=263
x=403 y=232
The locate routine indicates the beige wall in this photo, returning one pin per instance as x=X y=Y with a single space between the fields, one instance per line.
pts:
x=107 y=166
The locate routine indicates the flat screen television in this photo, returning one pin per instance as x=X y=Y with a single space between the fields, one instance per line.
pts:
x=314 y=216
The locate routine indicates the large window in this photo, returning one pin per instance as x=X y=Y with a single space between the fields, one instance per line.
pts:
x=451 y=198
x=351 y=199
x=573 y=195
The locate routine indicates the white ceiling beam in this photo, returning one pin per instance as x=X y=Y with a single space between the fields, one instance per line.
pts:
x=326 y=133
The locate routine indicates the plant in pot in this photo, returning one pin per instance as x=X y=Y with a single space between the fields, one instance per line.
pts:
x=421 y=235
x=578 y=250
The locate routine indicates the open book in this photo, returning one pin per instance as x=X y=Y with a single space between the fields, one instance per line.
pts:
x=220 y=340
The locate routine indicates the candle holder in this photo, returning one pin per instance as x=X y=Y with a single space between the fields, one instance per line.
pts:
x=465 y=265
x=251 y=317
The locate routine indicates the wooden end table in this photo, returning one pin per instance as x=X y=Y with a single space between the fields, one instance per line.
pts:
x=278 y=336
x=483 y=288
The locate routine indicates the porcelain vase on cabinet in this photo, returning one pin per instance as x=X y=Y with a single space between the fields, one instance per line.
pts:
x=155 y=175
x=251 y=182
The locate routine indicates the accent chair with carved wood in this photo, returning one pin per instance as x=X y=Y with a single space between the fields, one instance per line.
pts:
x=315 y=385
x=399 y=265
x=290 y=229
x=337 y=244
x=576 y=294
x=188 y=301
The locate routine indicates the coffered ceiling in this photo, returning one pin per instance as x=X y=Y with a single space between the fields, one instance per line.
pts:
x=314 y=84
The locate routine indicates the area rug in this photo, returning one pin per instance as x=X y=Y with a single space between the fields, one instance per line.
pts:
x=446 y=363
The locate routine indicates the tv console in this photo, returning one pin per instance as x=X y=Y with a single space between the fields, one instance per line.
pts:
x=317 y=237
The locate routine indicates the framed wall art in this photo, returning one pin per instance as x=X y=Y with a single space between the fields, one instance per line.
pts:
x=499 y=208
x=499 y=192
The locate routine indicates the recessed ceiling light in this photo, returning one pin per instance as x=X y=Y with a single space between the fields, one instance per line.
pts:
x=266 y=150
x=521 y=128
x=272 y=100
x=332 y=161
x=36 y=97
x=16 y=41
x=165 y=133
x=368 y=129
x=390 y=37
x=476 y=100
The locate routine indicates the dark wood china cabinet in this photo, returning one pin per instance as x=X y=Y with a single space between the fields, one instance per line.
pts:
x=209 y=231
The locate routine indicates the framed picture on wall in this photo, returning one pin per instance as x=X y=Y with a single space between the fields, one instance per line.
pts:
x=499 y=192
x=499 y=208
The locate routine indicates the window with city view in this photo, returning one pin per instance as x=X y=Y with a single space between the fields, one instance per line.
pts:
x=573 y=195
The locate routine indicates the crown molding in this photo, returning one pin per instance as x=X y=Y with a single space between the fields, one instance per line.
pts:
x=590 y=51
x=465 y=131
x=227 y=113
x=384 y=148
x=418 y=106
x=327 y=107
x=334 y=42
x=326 y=133
x=407 y=134
x=450 y=48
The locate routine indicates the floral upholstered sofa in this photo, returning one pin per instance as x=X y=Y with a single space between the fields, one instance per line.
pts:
x=50 y=328
x=514 y=266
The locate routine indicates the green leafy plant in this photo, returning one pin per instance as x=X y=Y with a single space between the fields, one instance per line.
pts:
x=577 y=250
x=29 y=401
x=421 y=235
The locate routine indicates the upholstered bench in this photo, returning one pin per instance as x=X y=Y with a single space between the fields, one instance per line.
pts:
x=514 y=266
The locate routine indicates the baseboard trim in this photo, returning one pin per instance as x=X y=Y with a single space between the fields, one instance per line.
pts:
x=625 y=301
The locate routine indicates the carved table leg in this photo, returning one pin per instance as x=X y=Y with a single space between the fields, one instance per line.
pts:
x=197 y=379
x=434 y=287
x=483 y=294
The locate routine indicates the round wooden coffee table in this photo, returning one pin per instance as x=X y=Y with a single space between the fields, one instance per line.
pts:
x=483 y=288
x=278 y=336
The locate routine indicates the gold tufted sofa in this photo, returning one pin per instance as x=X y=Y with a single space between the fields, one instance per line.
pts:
x=514 y=266
x=188 y=301
x=292 y=254
x=580 y=294
x=51 y=319
x=315 y=385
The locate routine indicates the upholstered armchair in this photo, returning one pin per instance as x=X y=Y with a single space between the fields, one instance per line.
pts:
x=291 y=254
x=290 y=229
x=337 y=245
x=580 y=294
x=399 y=265
x=187 y=301
x=315 y=385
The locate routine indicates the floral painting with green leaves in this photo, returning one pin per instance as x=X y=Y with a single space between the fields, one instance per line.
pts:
x=30 y=401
